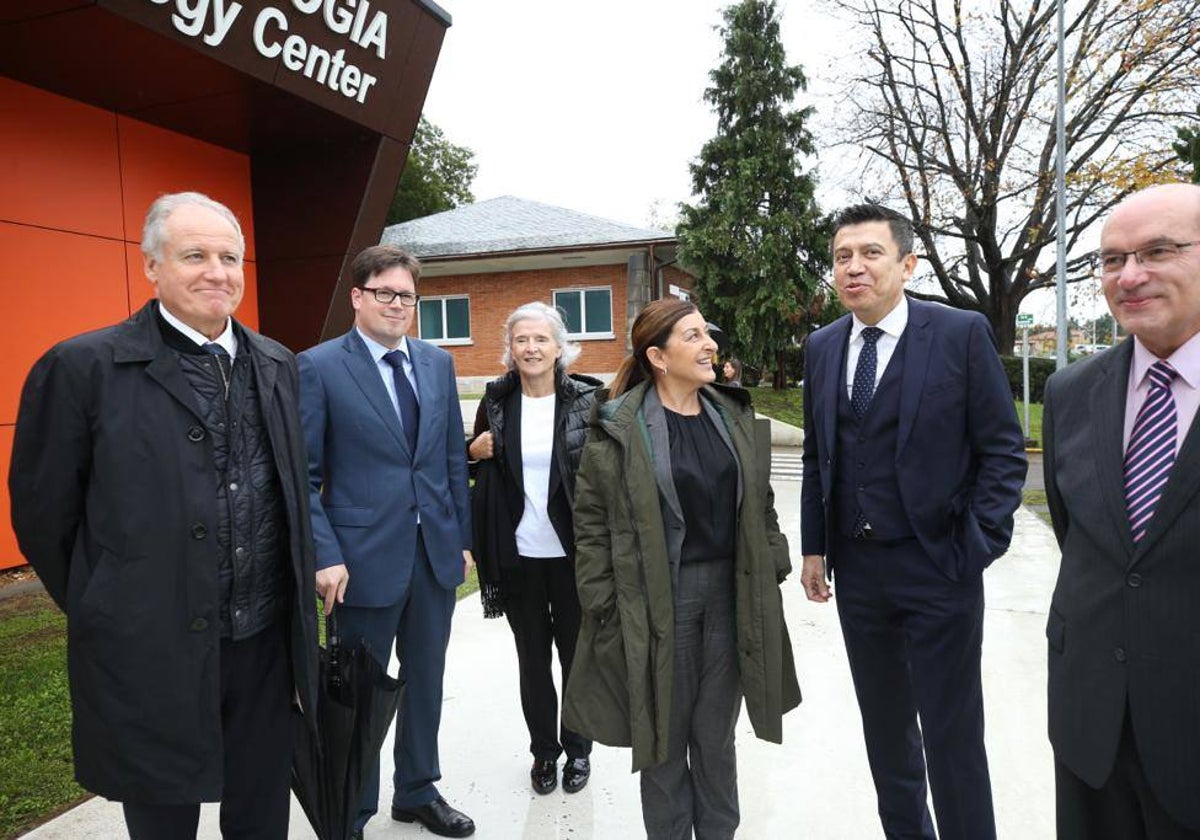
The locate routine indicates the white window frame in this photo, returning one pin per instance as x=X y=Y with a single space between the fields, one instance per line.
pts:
x=446 y=342
x=581 y=290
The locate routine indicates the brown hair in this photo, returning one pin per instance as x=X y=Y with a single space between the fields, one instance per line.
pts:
x=378 y=258
x=651 y=328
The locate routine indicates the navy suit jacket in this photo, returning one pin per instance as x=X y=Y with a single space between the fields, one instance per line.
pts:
x=367 y=487
x=960 y=460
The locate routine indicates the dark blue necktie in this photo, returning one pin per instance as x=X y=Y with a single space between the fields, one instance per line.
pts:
x=406 y=397
x=224 y=363
x=1151 y=451
x=864 y=374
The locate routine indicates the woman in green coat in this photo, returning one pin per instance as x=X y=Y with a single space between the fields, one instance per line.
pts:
x=678 y=559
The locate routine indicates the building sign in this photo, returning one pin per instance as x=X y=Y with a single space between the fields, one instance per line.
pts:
x=349 y=33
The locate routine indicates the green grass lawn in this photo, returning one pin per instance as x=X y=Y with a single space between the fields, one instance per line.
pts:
x=36 y=776
x=788 y=406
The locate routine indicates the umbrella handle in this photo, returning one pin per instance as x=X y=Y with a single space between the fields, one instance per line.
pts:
x=332 y=636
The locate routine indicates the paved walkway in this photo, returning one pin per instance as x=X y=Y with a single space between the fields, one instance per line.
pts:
x=815 y=786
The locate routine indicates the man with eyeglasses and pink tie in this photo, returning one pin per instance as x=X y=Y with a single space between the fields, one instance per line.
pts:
x=390 y=512
x=1122 y=468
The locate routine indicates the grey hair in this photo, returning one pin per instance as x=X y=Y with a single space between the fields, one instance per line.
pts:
x=154 y=232
x=538 y=311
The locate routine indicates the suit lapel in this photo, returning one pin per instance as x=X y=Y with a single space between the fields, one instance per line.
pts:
x=833 y=381
x=365 y=374
x=1107 y=440
x=916 y=365
x=427 y=389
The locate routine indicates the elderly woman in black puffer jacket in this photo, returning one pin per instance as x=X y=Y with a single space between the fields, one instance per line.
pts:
x=529 y=433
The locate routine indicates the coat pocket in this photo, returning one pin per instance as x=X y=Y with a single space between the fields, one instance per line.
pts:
x=596 y=700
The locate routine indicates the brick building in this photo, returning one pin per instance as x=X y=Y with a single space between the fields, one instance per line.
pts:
x=481 y=261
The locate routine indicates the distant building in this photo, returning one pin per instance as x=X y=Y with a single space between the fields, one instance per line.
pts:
x=1044 y=342
x=481 y=261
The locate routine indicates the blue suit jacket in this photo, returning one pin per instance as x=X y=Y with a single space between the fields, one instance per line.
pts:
x=367 y=488
x=960 y=460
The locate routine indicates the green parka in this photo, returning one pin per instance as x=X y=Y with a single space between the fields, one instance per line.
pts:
x=619 y=691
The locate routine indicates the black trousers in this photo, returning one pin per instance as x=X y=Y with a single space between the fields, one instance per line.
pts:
x=914 y=641
x=1123 y=809
x=544 y=613
x=256 y=741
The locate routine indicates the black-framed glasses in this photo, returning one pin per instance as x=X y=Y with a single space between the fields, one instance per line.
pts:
x=1160 y=253
x=386 y=296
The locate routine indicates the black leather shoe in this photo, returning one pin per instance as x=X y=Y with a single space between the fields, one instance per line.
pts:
x=439 y=817
x=544 y=776
x=576 y=773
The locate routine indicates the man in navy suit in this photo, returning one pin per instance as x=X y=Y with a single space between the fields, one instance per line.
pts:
x=391 y=518
x=913 y=466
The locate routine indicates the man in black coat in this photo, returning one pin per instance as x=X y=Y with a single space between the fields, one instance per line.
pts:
x=1122 y=465
x=159 y=488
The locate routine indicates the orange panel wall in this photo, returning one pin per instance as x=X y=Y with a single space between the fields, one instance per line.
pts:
x=75 y=182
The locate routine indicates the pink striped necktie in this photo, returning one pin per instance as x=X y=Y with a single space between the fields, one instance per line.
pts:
x=1151 y=451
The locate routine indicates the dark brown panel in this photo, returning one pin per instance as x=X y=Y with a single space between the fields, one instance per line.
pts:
x=377 y=197
x=409 y=99
x=293 y=296
x=13 y=10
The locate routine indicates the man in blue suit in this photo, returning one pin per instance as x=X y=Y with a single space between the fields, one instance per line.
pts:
x=913 y=466
x=391 y=518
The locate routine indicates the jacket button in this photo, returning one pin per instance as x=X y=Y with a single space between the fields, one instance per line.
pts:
x=1119 y=654
x=196 y=434
x=239 y=553
x=199 y=532
x=1134 y=580
x=199 y=625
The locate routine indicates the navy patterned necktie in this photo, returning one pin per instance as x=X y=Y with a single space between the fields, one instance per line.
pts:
x=406 y=397
x=1151 y=451
x=224 y=363
x=864 y=373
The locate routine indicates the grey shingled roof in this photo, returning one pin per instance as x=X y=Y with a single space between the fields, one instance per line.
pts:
x=509 y=224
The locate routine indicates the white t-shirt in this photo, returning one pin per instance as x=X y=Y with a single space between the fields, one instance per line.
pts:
x=536 y=536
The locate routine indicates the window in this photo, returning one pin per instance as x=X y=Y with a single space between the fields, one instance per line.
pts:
x=587 y=312
x=445 y=320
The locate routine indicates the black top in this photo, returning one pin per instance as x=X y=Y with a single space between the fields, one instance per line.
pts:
x=705 y=475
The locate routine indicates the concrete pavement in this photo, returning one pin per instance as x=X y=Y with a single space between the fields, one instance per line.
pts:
x=816 y=786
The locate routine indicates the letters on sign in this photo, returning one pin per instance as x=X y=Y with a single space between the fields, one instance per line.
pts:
x=363 y=27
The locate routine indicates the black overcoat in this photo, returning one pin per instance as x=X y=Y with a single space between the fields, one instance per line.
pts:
x=114 y=504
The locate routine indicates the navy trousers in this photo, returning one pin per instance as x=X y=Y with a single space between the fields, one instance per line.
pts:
x=419 y=626
x=914 y=641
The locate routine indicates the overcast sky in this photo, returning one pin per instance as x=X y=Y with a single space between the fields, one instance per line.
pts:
x=597 y=106
x=593 y=106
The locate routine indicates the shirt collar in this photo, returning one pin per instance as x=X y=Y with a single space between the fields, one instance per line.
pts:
x=378 y=351
x=892 y=324
x=227 y=338
x=1185 y=360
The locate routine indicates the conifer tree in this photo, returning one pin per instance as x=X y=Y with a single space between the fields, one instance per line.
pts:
x=755 y=239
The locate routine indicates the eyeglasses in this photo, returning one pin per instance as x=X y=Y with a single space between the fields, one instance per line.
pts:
x=386 y=296
x=1160 y=253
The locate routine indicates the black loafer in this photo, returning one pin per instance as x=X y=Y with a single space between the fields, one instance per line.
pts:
x=439 y=817
x=576 y=773
x=544 y=776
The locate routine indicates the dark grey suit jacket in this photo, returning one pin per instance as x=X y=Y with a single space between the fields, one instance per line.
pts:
x=1124 y=624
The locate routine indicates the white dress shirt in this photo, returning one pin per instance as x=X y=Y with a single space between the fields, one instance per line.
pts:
x=893 y=325
x=378 y=351
x=226 y=339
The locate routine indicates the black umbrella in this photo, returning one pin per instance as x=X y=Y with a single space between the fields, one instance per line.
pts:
x=356 y=701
